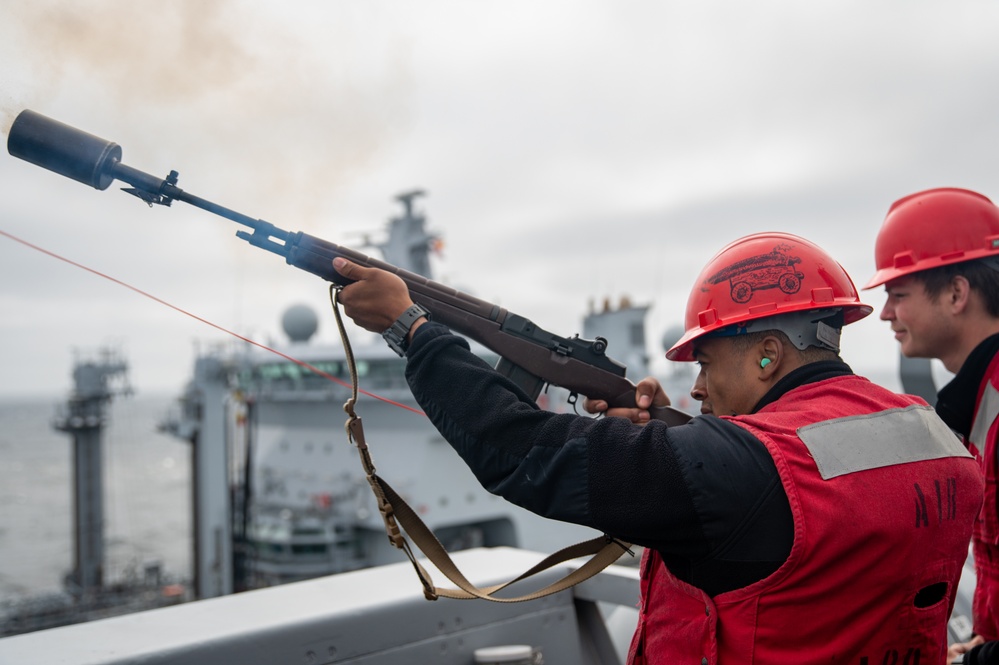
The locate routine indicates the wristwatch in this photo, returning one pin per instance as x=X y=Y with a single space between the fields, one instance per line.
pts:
x=397 y=333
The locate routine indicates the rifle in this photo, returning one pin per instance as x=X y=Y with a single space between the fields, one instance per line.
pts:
x=529 y=356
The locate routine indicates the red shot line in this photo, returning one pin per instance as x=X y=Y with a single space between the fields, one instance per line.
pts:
x=300 y=363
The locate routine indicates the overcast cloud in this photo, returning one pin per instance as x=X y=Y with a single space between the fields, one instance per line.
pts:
x=571 y=151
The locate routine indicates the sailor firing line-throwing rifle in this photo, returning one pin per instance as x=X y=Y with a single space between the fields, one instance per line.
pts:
x=530 y=357
x=802 y=495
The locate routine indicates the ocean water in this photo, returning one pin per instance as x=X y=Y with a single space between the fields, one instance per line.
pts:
x=146 y=489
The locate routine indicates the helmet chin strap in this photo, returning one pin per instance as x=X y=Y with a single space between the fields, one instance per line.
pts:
x=817 y=327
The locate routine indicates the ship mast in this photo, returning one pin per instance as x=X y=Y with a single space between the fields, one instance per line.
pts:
x=83 y=416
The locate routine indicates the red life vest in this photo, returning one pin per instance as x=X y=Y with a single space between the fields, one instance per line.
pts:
x=985 y=543
x=883 y=497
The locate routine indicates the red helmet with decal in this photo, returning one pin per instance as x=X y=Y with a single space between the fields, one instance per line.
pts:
x=770 y=281
x=934 y=228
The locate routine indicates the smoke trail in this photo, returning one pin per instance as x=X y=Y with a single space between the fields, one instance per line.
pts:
x=237 y=89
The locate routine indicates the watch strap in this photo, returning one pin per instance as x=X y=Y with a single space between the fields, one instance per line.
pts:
x=396 y=335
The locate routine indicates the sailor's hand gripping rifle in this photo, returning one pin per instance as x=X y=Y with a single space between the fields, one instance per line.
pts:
x=529 y=356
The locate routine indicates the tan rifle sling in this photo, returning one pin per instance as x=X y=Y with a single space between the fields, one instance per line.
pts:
x=396 y=513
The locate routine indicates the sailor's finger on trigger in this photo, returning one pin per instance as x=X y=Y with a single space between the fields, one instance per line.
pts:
x=595 y=405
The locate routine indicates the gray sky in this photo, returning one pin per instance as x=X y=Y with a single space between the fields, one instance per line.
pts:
x=572 y=150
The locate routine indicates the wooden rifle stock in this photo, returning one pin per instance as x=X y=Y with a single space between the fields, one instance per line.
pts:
x=530 y=356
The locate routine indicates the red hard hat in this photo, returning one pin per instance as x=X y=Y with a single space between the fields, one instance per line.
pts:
x=935 y=228
x=761 y=276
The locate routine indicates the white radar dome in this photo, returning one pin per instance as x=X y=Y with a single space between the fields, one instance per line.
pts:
x=672 y=336
x=300 y=322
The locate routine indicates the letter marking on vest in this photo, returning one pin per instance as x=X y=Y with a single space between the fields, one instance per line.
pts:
x=922 y=517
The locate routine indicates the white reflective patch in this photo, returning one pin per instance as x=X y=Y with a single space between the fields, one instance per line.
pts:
x=896 y=436
x=987 y=412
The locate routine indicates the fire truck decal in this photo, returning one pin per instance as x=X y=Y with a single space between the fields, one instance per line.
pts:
x=773 y=270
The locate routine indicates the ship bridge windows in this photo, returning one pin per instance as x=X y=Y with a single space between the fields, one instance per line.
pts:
x=374 y=374
x=289 y=371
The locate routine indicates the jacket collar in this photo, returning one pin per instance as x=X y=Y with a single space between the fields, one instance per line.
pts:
x=956 y=402
x=810 y=373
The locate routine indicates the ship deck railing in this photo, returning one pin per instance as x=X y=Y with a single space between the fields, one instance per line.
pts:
x=376 y=615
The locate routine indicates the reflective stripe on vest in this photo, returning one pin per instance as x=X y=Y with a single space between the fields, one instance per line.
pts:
x=911 y=434
x=988 y=410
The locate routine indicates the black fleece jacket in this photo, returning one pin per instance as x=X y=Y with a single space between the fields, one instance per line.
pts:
x=706 y=495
